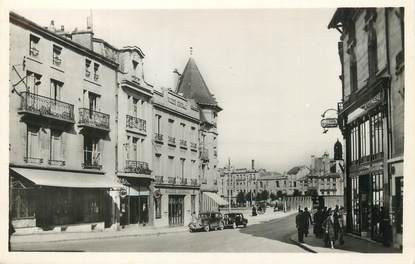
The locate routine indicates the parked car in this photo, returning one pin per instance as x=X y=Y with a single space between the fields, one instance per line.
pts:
x=207 y=221
x=234 y=220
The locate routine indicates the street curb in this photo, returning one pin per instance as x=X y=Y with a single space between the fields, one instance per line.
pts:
x=302 y=245
x=99 y=238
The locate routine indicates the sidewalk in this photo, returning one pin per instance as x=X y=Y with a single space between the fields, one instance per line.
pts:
x=351 y=245
x=129 y=231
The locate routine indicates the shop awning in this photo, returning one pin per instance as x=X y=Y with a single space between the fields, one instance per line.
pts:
x=67 y=179
x=216 y=198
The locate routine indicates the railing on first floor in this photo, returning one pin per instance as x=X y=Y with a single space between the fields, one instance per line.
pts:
x=136 y=123
x=95 y=119
x=135 y=166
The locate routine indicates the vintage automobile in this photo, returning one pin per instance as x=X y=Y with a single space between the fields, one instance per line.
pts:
x=234 y=220
x=207 y=221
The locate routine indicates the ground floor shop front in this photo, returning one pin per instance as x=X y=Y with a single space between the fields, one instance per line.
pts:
x=41 y=203
x=174 y=206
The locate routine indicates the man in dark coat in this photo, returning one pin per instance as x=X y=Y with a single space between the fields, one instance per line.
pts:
x=317 y=223
x=307 y=221
x=300 y=224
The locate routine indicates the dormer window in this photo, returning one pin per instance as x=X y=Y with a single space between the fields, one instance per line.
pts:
x=87 y=67
x=57 y=55
x=96 y=68
x=34 y=46
x=134 y=76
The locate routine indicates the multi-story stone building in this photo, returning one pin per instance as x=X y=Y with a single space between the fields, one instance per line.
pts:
x=62 y=131
x=371 y=117
x=175 y=158
x=192 y=86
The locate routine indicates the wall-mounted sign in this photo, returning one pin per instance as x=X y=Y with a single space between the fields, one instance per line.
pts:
x=329 y=122
x=157 y=194
x=123 y=192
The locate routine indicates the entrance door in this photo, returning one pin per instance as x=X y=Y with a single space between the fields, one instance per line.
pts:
x=176 y=210
x=143 y=209
x=364 y=203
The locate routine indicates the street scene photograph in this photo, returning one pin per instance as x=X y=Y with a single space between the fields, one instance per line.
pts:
x=206 y=130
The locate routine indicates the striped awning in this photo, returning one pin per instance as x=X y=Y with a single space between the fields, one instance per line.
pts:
x=216 y=198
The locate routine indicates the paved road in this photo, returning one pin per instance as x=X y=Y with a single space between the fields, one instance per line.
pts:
x=272 y=236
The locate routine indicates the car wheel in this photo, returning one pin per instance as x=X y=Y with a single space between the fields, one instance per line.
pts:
x=234 y=225
x=221 y=226
x=207 y=228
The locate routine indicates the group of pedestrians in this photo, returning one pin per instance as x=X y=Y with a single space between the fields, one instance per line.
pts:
x=327 y=224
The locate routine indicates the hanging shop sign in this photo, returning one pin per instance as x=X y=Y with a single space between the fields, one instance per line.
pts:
x=329 y=122
x=157 y=194
x=123 y=192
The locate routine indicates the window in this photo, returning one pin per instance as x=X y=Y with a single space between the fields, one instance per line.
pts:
x=370 y=19
x=352 y=56
x=182 y=130
x=34 y=46
x=182 y=172
x=87 y=68
x=96 y=71
x=158 y=123
x=171 y=128
x=135 y=149
x=57 y=60
x=91 y=153
x=193 y=204
x=33 y=82
x=295 y=184
x=171 y=166
x=55 y=89
x=33 y=144
x=55 y=145
x=157 y=204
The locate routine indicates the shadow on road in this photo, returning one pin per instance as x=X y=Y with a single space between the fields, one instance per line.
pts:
x=279 y=229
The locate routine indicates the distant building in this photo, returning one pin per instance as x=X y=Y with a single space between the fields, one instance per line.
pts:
x=371 y=117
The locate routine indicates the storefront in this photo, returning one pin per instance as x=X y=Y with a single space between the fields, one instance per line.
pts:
x=49 y=199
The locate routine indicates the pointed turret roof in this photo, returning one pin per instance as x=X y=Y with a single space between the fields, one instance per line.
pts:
x=193 y=86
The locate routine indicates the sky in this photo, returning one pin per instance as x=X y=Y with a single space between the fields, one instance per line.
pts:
x=273 y=71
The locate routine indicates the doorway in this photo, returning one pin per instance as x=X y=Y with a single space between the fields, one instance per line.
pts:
x=176 y=210
x=139 y=210
x=364 y=204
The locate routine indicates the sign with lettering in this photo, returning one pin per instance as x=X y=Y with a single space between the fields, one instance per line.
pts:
x=329 y=122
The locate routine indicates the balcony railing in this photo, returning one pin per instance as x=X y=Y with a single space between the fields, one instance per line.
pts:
x=158 y=137
x=204 y=154
x=139 y=167
x=183 y=181
x=45 y=106
x=33 y=160
x=136 y=123
x=183 y=143
x=56 y=162
x=94 y=119
x=193 y=182
x=193 y=146
x=92 y=166
x=171 y=180
x=57 y=61
x=171 y=141
x=159 y=179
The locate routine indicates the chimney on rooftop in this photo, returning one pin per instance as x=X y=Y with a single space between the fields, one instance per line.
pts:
x=52 y=25
x=62 y=28
x=253 y=164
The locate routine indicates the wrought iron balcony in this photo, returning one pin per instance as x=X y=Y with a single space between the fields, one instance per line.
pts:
x=92 y=166
x=193 y=182
x=158 y=138
x=33 y=160
x=204 y=154
x=139 y=167
x=56 y=162
x=136 y=123
x=94 y=119
x=171 y=180
x=159 y=179
x=183 y=143
x=183 y=181
x=171 y=141
x=46 y=107
x=193 y=146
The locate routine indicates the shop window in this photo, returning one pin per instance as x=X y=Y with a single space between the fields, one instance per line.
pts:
x=157 y=205
x=23 y=204
x=34 y=46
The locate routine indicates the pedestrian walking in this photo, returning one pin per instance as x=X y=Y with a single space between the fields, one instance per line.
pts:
x=317 y=223
x=341 y=226
x=254 y=211
x=300 y=224
x=307 y=221
x=328 y=226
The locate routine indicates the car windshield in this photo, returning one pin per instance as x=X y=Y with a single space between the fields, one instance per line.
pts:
x=203 y=216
